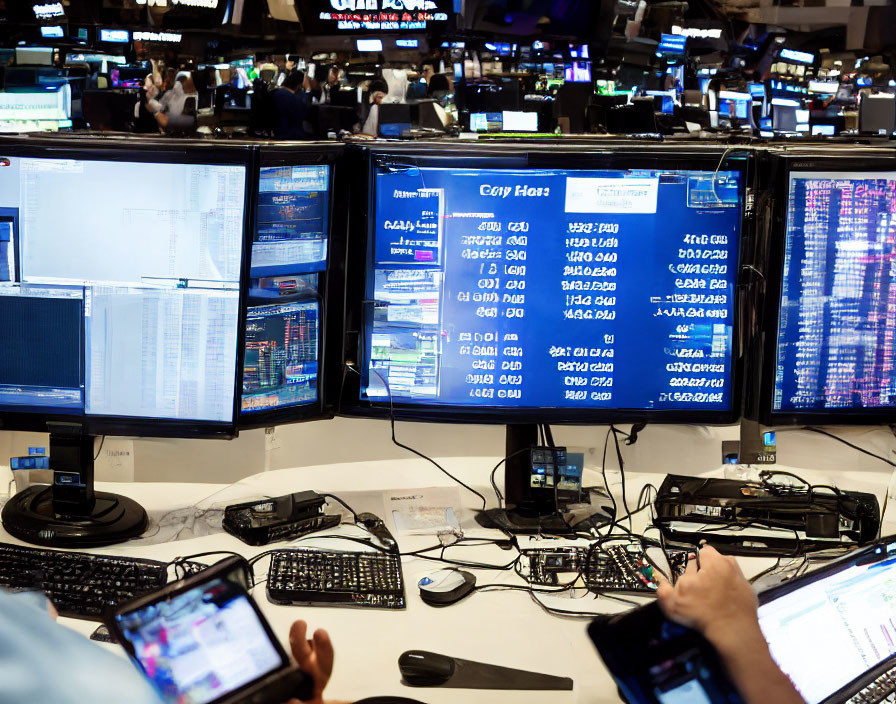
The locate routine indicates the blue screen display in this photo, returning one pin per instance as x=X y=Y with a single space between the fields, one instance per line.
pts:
x=7 y=262
x=837 y=327
x=552 y=288
x=291 y=224
x=280 y=368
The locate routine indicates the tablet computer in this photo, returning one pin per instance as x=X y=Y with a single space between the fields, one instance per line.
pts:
x=203 y=640
x=656 y=661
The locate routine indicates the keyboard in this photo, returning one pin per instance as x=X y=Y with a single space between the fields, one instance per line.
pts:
x=882 y=688
x=336 y=578
x=79 y=584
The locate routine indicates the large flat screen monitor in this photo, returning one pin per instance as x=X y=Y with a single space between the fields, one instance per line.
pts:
x=122 y=299
x=124 y=312
x=288 y=290
x=552 y=286
x=834 y=329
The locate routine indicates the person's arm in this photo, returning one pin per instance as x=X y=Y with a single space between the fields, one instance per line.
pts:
x=717 y=600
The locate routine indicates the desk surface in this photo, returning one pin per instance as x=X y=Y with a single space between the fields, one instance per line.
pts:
x=500 y=627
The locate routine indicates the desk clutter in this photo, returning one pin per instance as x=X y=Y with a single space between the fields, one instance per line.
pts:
x=780 y=515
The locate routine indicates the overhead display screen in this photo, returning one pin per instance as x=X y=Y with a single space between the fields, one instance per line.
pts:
x=557 y=288
x=335 y=16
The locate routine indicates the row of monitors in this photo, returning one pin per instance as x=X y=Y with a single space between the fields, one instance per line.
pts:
x=194 y=289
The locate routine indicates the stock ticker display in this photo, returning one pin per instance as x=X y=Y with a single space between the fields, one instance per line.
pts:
x=553 y=288
x=837 y=323
x=280 y=367
x=291 y=226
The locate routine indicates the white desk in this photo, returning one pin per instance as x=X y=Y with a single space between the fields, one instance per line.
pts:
x=500 y=627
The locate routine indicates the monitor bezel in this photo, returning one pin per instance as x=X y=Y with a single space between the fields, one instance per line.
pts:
x=782 y=166
x=584 y=154
x=150 y=150
x=305 y=154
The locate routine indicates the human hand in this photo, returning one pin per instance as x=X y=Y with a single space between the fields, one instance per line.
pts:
x=314 y=657
x=714 y=599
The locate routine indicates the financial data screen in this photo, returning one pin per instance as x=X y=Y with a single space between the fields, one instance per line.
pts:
x=837 y=322
x=827 y=633
x=552 y=288
x=7 y=250
x=292 y=222
x=281 y=362
x=126 y=302
x=200 y=645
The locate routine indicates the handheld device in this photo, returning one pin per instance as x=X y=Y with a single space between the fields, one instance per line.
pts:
x=656 y=661
x=204 y=640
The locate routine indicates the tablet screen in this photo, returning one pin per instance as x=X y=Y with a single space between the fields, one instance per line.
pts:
x=202 y=644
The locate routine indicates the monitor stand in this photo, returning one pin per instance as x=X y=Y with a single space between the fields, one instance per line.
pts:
x=528 y=511
x=70 y=514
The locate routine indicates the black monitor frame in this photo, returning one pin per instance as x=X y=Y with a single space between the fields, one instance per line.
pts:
x=150 y=150
x=329 y=291
x=846 y=158
x=606 y=154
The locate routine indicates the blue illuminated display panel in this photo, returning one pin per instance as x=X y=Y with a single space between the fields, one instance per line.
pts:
x=292 y=221
x=552 y=288
x=281 y=362
x=837 y=322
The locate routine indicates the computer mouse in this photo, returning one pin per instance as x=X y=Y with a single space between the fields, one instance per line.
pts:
x=388 y=700
x=420 y=668
x=446 y=587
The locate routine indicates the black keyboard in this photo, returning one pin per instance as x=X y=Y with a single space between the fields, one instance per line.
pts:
x=336 y=578
x=879 y=690
x=79 y=584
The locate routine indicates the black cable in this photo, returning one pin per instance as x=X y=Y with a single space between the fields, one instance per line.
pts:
x=411 y=449
x=616 y=434
x=338 y=500
x=820 y=431
x=98 y=452
x=603 y=471
x=495 y=469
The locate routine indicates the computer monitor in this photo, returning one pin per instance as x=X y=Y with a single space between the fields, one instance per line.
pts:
x=122 y=318
x=757 y=91
x=826 y=124
x=877 y=114
x=394 y=119
x=578 y=72
x=662 y=101
x=509 y=285
x=502 y=288
x=289 y=286
x=34 y=56
x=832 y=344
x=784 y=117
x=513 y=121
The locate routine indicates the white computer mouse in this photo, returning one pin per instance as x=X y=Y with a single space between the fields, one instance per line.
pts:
x=446 y=586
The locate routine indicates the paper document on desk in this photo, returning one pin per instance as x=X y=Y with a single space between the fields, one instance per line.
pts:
x=423 y=511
